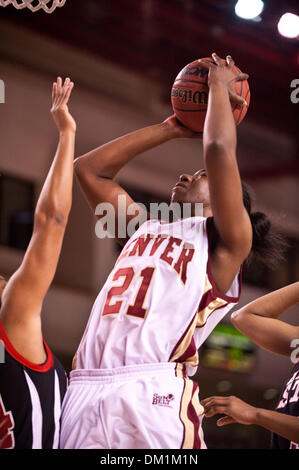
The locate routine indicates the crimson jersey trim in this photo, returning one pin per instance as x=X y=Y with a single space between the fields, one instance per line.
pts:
x=18 y=357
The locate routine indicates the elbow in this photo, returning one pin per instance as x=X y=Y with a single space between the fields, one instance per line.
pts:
x=240 y=318
x=79 y=166
x=51 y=216
x=84 y=170
x=218 y=148
x=234 y=317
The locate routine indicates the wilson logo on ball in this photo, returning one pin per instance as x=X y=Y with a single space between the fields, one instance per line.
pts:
x=190 y=96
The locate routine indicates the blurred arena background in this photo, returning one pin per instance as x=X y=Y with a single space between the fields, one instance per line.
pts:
x=123 y=56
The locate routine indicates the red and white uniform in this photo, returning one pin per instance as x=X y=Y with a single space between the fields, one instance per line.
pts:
x=155 y=310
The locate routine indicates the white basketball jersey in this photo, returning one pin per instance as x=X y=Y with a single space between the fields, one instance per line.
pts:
x=159 y=303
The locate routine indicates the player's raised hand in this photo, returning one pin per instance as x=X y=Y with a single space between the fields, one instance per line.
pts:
x=221 y=70
x=179 y=130
x=61 y=93
x=236 y=410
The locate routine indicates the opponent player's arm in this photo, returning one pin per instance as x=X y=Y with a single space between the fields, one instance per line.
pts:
x=259 y=320
x=97 y=169
x=230 y=217
x=24 y=294
x=237 y=411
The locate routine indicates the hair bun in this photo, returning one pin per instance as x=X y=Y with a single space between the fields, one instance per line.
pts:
x=261 y=225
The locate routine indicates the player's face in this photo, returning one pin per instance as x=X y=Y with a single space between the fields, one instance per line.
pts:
x=2 y=286
x=192 y=189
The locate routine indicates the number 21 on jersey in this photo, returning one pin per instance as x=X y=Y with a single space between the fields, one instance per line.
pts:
x=136 y=309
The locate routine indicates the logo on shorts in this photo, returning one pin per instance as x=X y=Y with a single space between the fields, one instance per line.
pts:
x=162 y=400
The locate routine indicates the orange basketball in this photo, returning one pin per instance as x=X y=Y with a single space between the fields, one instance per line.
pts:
x=189 y=96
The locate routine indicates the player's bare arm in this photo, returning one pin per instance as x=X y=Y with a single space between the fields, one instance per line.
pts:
x=237 y=411
x=259 y=320
x=97 y=169
x=24 y=294
x=231 y=220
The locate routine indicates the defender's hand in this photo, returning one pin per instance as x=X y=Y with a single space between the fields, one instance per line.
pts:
x=236 y=410
x=60 y=112
x=223 y=71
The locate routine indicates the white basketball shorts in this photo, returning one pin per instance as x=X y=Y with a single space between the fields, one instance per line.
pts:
x=146 y=406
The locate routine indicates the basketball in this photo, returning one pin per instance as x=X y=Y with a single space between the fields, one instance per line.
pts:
x=189 y=96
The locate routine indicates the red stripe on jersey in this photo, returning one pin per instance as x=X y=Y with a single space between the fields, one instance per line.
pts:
x=181 y=371
x=206 y=299
x=215 y=309
x=190 y=351
x=181 y=339
x=180 y=413
x=14 y=353
x=192 y=415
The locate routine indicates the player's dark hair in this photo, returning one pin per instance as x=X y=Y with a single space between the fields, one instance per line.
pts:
x=268 y=245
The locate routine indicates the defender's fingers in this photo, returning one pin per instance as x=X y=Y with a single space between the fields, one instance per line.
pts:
x=216 y=410
x=213 y=401
x=225 y=420
x=54 y=86
x=68 y=93
x=64 y=90
x=59 y=85
x=213 y=398
x=57 y=91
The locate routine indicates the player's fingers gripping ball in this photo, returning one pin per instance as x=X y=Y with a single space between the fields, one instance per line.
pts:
x=189 y=96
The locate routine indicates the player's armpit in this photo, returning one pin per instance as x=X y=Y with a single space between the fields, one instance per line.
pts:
x=219 y=259
x=230 y=218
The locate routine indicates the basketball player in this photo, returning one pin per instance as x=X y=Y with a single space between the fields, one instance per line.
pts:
x=259 y=321
x=172 y=283
x=32 y=380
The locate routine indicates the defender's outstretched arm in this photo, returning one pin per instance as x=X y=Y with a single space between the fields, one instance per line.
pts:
x=24 y=294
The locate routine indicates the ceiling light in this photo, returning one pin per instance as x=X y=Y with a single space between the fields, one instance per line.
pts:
x=249 y=9
x=288 y=25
